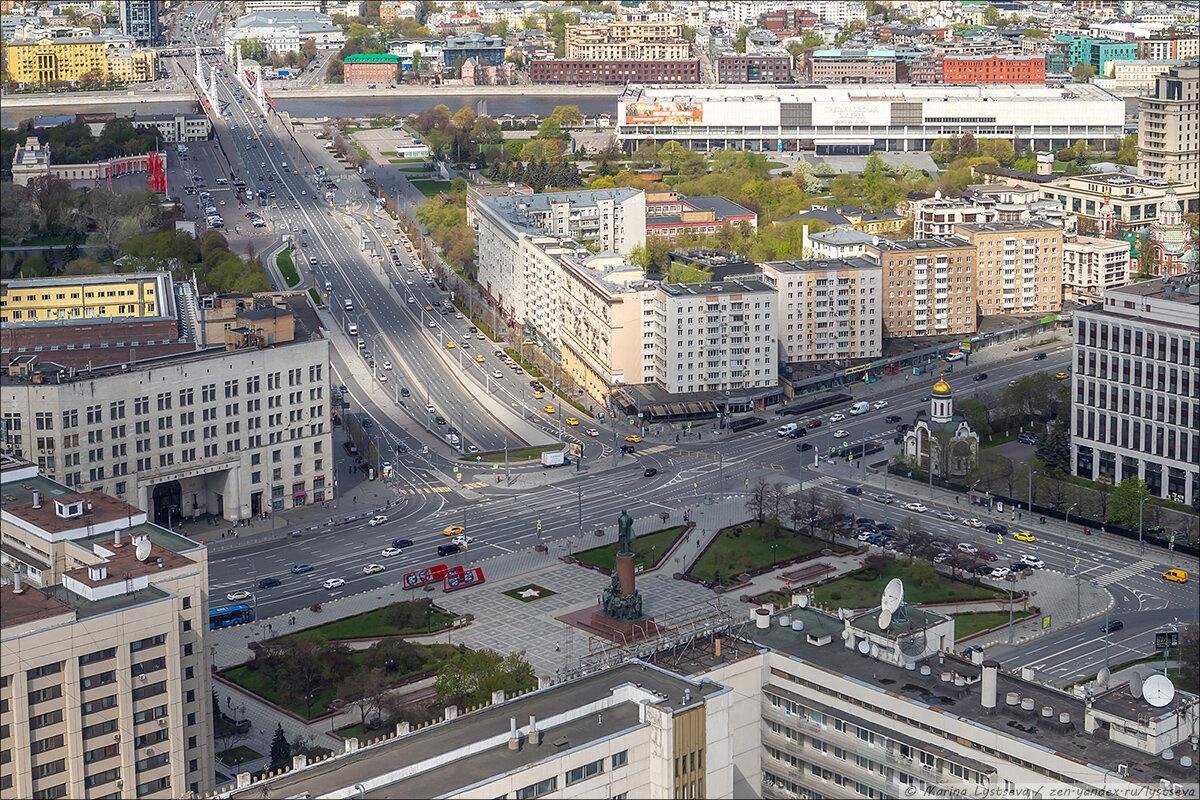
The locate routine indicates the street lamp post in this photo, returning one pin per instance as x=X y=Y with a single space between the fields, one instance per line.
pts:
x=1141 y=534
x=1067 y=519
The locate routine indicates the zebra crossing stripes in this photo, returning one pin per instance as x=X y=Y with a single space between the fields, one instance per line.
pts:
x=1121 y=574
x=429 y=490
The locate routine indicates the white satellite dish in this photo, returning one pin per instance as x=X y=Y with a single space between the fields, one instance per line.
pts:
x=1135 y=684
x=864 y=647
x=1103 y=675
x=845 y=635
x=893 y=595
x=874 y=651
x=885 y=619
x=1158 y=690
x=802 y=601
x=142 y=552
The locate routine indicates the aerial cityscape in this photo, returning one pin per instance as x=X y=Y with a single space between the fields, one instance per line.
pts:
x=599 y=399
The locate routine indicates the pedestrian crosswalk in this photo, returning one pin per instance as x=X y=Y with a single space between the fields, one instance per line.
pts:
x=429 y=490
x=1128 y=571
x=821 y=480
x=658 y=448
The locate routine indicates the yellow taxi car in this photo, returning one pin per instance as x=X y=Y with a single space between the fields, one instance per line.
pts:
x=538 y=395
x=549 y=409
x=633 y=438
x=1062 y=376
x=1176 y=575
x=1024 y=536
x=479 y=359
x=453 y=530
x=450 y=345
x=429 y=308
x=572 y=421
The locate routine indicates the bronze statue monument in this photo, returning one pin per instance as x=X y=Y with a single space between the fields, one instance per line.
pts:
x=621 y=599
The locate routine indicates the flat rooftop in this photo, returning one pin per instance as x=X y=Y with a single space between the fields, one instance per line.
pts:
x=66 y=281
x=924 y=244
x=436 y=740
x=85 y=608
x=18 y=501
x=717 y=287
x=123 y=564
x=964 y=702
x=1005 y=227
x=31 y=605
x=1023 y=93
x=822 y=264
x=1183 y=289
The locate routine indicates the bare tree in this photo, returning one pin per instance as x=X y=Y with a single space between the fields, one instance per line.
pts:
x=758 y=502
x=808 y=506
x=775 y=501
x=834 y=517
x=363 y=690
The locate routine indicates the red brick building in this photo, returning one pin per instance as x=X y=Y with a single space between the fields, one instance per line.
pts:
x=993 y=69
x=370 y=68
x=754 y=68
x=562 y=70
x=788 y=21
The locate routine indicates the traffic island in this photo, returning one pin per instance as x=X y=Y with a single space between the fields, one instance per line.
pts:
x=649 y=551
x=740 y=552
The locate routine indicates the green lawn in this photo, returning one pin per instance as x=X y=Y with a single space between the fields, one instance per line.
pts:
x=429 y=187
x=265 y=684
x=729 y=556
x=971 y=623
x=687 y=273
x=287 y=268
x=522 y=454
x=861 y=590
x=374 y=623
x=776 y=165
x=318 y=301
x=648 y=549
x=526 y=365
x=238 y=755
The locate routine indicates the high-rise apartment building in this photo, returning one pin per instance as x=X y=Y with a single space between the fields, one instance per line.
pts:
x=1135 y=383
x=827 y=309
x=139 y=19
x=1168 y=131
x=619 y=41
x=232 y=422
x=936 y=217
x=104 y=671
x=1018 y=266
x=928 y=286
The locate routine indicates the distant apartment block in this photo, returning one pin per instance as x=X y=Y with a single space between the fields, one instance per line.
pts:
x=1084 y=49
x=827 y=309
x=1168 y=127
x=1157 y=49
x=852 y=66
x=993 y=69
x=1092 y=266
x=627 y=41
x=754 y=68
x=616 y=72
x=91 y=297
x=928 y=286
x=670 y=215
x=788 y=21
x=1018 y=266
x=936 y=217
x=486 y=50
x=370 y=68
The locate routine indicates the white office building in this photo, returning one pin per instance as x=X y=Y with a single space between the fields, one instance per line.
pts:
x=1092 y=266
x=284 y=31
x=1134 y=386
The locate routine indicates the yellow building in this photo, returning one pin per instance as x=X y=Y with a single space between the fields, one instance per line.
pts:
x=63 y=299
x=68 y=60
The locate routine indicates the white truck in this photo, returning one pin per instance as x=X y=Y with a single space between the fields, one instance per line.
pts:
x=554 y=459
x=860 y=408
x=786 y=430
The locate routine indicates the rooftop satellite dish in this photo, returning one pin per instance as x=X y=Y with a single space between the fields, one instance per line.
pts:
x=1135 y=684
x=874 y=651
x=802 y=601
x=845 y=635
x=1103 y=675
x=142 y=552
x=1158 y=690
x=885 y=619
x=913 y=645
x=864 y=647
x=893 y=595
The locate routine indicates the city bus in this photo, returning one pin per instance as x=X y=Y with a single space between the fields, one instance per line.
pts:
x=225 y=616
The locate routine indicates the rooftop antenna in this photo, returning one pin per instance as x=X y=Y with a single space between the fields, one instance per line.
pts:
x=142 y=551
x=890 y=602
x=864 y=647
x=1158 y=690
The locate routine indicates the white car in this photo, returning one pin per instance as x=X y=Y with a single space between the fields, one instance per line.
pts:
x=999 y=572
x=878 y=404
x=334 y=583
x=412 y=299
x=968 y=548
x=378 y=519
x=234 y=597
x=592 y=432
x=472 y=448
x=431 y=324
x=429 y=409
x=388 y=552
x=458 y=315
x=973 y=523
x=408 y=282
x=836 y=417
x=371 y=569
x=949 y=516
x=387 y=365
x=918 y=507
x=497 y=374
x=383 y=377
x=1034 y=562
x=462 y=540
x=840 y=434
x=481 y=337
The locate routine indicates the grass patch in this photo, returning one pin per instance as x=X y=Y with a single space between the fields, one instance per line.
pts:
x=528 y=366
x=862 y=589
x=484 y=328
x=542 y=593
x=648 y=549
x=732 y=553
x=376 y=622
x=265 y=683
x=318 y=301
x=971 y=623
x=430 y=187
x=45 y=240
x=678 y=272
x=522 y=454
x=997 y=439
x=238 y=755
x=287 y=268
x=776 y=165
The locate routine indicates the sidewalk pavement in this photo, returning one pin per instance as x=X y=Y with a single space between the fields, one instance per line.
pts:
x=1057 y=595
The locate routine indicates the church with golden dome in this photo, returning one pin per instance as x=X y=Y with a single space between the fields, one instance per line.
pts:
x=942 y=437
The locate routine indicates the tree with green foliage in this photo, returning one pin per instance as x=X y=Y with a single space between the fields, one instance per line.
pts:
x=1125 y=500
x=942 y=150
x=566 y=117
x=976 y=415
x=549 y=129
x=1054 y=449
x=1083 y=73
x=281 y=751
x=1000 y=149
x=468 y=677
x=1127 y=153
x=739 y=40
x=34 y=266
x=992 y=16
x=1036 y=33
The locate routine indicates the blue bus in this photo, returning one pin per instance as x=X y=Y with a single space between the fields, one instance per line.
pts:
x=226 y=616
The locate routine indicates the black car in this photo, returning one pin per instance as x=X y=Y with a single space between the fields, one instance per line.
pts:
x=1040 y=357
x=267 y=583
x=298 y=569
x=627 y=449
x=996 y=528
x=1112 y=626
x=448 y=549
x=804 y=446
x=854 y=490
x=865 y=522
x=650 y=472
x=404 y=392
x=980 y=377
x=891 y=419
x=796 y=434
x=452 y=429
x=368 y=423
x=440 y=420
x=886 y=527
x=402 y=542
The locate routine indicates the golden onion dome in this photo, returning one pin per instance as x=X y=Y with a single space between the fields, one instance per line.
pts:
x=941 y=388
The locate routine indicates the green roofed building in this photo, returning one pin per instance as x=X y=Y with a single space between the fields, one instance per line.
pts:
x=370 y=68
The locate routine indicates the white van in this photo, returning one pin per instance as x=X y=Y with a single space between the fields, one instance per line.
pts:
x=786 y=430
x=860 y=408
x=328 y=286
x=348 y=304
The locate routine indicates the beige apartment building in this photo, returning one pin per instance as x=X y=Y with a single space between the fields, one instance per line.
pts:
x=828 y=308
x=104 y=679
x=1091 y=266
x=928 y=286
x=1169 y=127
x=637 y=41
x=1018 y=266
